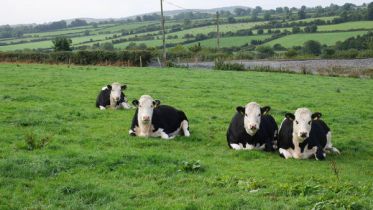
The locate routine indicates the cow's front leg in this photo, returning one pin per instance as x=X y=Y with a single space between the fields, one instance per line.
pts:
x=296 y=152
x=185 y=128
x=124 y=105
x=102 y=108
x=165 y=136
x=307 y=153
x=132 y=132
x=236 y=146
x=320 y=154
x=329 y=146
x=335 y=150
x=160 y=133
x=249 y=147
x=286 y=153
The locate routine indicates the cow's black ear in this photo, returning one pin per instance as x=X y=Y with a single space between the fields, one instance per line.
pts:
x=109 y=87
x=290 y=116
x=156 y=103
x=123 y=87
x=240 y=109
x=265 y=109
x=316 y=115
x=135 y=102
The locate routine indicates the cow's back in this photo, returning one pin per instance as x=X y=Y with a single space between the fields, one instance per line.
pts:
x=269 y=123
x=285 y=134
x=167 y=118
x=236 y=131
x=103 y=98
x=318 y=133
x=267 y=133
x=322 y=124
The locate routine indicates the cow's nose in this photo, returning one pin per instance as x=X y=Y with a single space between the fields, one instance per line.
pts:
x=116 y=98
x=146 y=118
x=303 y=134
x=253 y=127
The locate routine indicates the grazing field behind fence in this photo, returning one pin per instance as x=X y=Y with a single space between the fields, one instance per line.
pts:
x=58 y=151
x=119 y=58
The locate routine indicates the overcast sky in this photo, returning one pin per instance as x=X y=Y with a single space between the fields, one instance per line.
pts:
x=41 y=11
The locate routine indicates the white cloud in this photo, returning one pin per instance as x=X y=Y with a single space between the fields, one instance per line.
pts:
x=40 y=11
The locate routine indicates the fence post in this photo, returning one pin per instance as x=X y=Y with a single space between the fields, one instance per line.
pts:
x=140 y=61
x=159 y=62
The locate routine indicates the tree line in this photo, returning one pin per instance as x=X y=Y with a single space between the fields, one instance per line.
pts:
x=346 y=12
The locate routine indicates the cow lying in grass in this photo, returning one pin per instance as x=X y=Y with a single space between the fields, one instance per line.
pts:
x=303 y=135
x=154 y=120
x=112 y=96
x=252 y=128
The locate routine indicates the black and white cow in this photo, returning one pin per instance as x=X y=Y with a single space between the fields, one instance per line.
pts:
x=252 y=128
x=303 y=135
x=112 y=96
x=154 y=120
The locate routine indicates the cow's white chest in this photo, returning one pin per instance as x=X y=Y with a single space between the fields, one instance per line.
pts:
x=297 y=151
x=144 y=131
x=307 y=153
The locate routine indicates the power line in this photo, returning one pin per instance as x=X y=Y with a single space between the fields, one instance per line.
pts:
x=164 y=56
x=175 y=5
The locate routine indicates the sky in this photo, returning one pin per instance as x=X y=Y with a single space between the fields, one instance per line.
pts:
x=42 y=11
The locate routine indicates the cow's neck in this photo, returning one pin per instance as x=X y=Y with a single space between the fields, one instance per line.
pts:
x=145 y=129
x=113 y=103
x=296 y=142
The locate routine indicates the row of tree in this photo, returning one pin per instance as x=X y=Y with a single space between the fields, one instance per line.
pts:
x=347 y=12
x=8 y=31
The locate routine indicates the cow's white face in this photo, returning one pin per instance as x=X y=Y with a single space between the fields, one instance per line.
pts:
x=252 y=116
x=115 y=91
x=145 y=106
x=302 y=123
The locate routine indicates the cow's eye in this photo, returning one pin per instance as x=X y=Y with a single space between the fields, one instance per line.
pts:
x=309 y=123
x=246 y=115
x=296 y=122
x=259 y=115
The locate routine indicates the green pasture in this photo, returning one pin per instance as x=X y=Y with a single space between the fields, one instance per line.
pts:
x=57 y=151
x=347 y=26
x=323 y=38
x=235 y=41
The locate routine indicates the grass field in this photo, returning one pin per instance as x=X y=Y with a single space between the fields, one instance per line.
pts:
x=30 y=45
x=347 y=26
x=69 y=31
x=313 y=19
x=236 y=41
x=148 y=43
x=102 y=33
x=126 y=26
x=223 y=28
x=49 y=44
x=323 y=38
x=83 y=158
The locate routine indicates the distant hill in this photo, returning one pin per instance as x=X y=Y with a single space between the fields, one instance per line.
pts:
x=211 y=11
x=238 y=32
x=167 y=13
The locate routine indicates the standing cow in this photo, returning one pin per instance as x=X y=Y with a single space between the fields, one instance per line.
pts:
x=154 y=120
x=303 y=135
x=112 y=96
x=252 y=127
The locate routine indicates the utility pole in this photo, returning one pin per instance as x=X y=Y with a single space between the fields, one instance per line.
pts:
x=164 y=36
x=217 y=30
